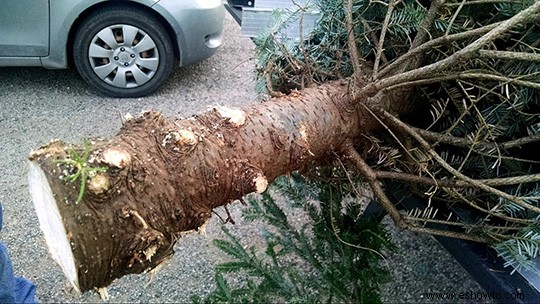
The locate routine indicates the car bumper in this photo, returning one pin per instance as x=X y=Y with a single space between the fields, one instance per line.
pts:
x=198 y=26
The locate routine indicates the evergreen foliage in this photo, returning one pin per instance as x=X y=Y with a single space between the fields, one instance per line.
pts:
x=334 y=257
x=491 y=101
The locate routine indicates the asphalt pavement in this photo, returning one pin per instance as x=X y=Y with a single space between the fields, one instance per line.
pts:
x=38 y=105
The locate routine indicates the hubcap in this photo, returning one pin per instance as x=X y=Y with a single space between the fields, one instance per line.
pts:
x=123 y=56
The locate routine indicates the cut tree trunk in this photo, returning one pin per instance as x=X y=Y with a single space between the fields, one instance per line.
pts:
x=165 y=176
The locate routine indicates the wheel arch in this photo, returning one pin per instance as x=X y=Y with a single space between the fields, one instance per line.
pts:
x=142 y=6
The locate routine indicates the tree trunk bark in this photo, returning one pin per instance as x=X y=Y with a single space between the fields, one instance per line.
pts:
x=164 y=177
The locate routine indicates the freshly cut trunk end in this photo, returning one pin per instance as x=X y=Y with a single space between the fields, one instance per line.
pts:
x=51 y=223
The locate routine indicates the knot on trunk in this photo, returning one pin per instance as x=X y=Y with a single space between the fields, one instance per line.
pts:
x=184 y=141
x=116 y=157
x=235 y=117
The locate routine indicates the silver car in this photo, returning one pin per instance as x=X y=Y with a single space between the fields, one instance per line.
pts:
x=123 y=48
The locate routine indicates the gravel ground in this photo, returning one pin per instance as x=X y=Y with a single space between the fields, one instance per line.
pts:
x=38 y=105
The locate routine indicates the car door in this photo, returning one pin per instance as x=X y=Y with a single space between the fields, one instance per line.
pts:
x=24 y=28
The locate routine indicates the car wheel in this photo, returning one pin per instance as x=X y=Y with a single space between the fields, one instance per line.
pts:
x=123 y=52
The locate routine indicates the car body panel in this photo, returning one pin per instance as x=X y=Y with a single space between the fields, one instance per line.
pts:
x=65 y=13
x=24 y=28
x=191 y=12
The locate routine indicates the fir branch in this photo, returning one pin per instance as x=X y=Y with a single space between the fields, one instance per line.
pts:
x=505 y=79
x=423 y=34
x=357 y=62
x=507 y=55
x=309 y=63
x=474 y=2
x=372 y=36
x=443 y=222
x=462 y=198
x=424 y=29
x=336 y=234
x=521 y=141
x=493 y=182
x=462 y=225
x=329 y=258
x=484 y=148
x=444 y=40
x=352 y=155
x=379 y=47
x=268 y=77
x=467 y=53
x=404 y=127
x=371 y=177
x=456 y=13
x=465 y=75
x=448 y=139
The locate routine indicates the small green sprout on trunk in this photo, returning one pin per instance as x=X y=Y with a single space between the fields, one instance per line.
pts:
x=80 y=168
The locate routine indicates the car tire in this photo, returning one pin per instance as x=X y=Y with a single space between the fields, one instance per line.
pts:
x=123 y=52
